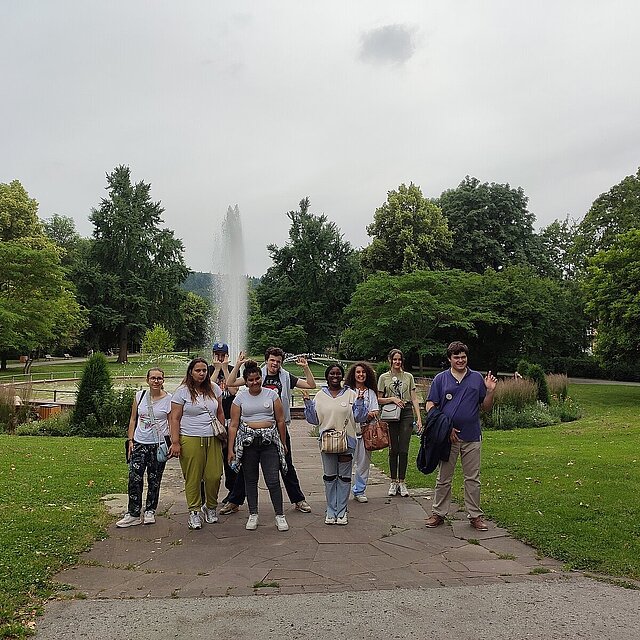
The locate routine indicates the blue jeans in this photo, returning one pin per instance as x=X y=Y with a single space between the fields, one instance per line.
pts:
x=336 y=469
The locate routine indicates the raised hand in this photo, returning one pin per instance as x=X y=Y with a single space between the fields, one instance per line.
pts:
x=490 y=381
x=302 y=361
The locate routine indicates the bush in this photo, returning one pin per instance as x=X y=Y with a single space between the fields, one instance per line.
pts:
x=56 y=425
x=558 y=385
x=14 y=407
x=523 y=368
x=507 y=418
x=516 y=394
x=565 y=411
x=536 y=373
x=382 y=367
x=95 y=383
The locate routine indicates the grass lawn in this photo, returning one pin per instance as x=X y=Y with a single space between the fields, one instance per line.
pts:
x=570 y=490
x=50 y=511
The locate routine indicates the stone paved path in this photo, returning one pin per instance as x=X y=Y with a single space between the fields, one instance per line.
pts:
x=384 y=546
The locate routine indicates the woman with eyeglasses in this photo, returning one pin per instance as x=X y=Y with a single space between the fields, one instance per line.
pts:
x=148 y=426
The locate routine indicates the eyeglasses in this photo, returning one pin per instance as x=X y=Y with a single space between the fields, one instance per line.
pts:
x=156 y=379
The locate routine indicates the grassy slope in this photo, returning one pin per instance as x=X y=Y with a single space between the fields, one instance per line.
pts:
x=570 y=490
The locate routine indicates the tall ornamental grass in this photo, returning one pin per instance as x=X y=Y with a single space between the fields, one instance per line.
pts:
x=516 y=394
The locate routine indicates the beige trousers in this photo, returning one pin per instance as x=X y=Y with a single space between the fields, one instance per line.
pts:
x=469 y=453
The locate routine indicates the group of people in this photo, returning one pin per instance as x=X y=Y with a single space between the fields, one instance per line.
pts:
x=223 y=419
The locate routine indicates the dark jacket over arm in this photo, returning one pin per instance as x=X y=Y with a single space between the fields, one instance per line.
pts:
x=434 y=444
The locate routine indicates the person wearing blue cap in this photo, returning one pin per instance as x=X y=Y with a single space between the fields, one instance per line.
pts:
x=219 y=372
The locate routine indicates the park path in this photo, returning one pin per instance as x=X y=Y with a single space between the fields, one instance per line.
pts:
x=384 y=547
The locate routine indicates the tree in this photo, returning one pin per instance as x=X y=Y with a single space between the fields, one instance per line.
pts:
x=311 y=280
x=558 y=241
x=38 y=308
x=61 y=230
x=156 y=342
x=417 y=312
x=94 y=384
x=18 y=213
x=491 y=226
x=132 y=274
x=612 y=291
x=612 y=213
x=191 y=329
x=409 y=233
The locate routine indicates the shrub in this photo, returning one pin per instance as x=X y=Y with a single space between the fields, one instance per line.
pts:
x=523 y=368
x=536 y=373
x=156 y=342
x=558 y=384
x=14 y=407
x=96 y=380
x=507 y=418
x=382 y=367
x=56 y=425
x=515 y=393
x=566 y=410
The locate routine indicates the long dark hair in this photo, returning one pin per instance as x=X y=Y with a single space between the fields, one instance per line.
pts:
x=206 y=388
x=369 y=380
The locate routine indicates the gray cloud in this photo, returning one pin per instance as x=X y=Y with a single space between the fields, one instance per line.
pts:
x=391 y=44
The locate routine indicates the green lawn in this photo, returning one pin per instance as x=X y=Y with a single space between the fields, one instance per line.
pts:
x=570 y=490
x=50 y=511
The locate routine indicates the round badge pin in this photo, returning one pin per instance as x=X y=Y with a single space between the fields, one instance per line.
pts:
x=449 y=396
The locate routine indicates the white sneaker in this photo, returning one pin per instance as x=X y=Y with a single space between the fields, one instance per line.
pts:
x=252 y=522
x=329 y=520
x=393 y=489
x=404 y=492
x=360 y=497
x=303 y=506
x=281 y=523
x=342 y=520
x=194 y=520
x=210 y=515
x=149 y=517
x=128 y=521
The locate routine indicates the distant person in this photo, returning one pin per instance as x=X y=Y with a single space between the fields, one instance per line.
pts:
x=219 y=372
x=460 y=393
x=148 y=426
x=362 y=379
x=193 y=406
x=275 y=377
x=399 y=387
x=336 y=408
x=257 y=434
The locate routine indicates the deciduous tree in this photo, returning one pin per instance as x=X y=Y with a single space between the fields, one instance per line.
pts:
x=409 y=232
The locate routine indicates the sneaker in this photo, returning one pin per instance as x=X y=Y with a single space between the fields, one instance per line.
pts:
x=252 y=522
x=303 y=506
x=210 y=515
x=342 y=520
x=393 y=489
x=128 y=521
x=329 y=520
x=227 y=508
x=360 y=497
x=402 y=487
x=434 y=521
x=194 y=520
x=281 y=523
x=149 y=517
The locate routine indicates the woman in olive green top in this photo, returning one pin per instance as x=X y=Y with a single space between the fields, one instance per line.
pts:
x=398 y=387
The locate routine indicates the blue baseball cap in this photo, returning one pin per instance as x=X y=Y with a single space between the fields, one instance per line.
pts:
x=220 y=347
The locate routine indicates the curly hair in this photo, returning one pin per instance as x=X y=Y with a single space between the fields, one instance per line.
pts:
x=369 y=380
x=251 y=366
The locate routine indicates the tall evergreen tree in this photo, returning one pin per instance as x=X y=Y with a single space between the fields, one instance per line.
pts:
x=134 y=268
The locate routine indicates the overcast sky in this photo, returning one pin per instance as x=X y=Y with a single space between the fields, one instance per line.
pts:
x=263 y=103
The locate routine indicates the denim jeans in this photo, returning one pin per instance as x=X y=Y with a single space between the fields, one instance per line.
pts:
x=336 y=469
x=361 y=464
x=399 y=439
x=266 y=456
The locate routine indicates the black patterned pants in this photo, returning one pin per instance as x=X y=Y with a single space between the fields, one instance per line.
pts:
x=143 y=457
